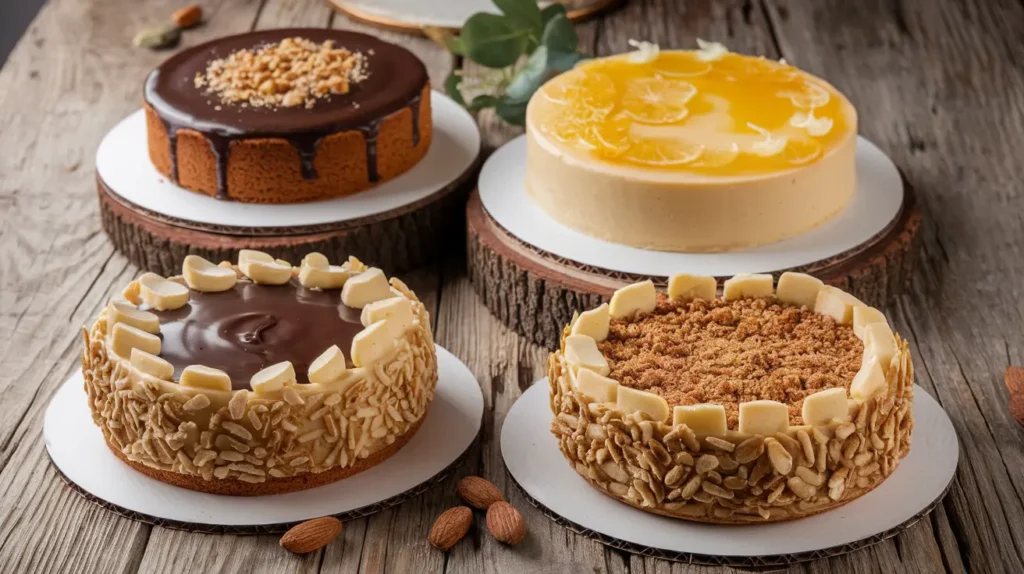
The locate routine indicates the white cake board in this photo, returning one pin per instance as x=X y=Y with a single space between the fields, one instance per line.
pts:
x=876 y=203
x=79 y=452
x=414 y=14
x=122 y=162
x=532 y=458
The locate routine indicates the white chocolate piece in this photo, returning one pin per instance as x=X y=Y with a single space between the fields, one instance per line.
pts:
x=763 y=417
x=124 y=338
x=162 y=294
x=634 y=401
x=581 y=352
x=131 y=293
x=315 y=260
x=825 y=407
x=330 y=277
x=869 y=380
x=684 y=287
x=632 y=299
x=704 y=419
x=597 y=387
x=593 y=323
x=367 y=287
x=200 y=377
x=881 y=343
x=246 y=255
x=346 y=380
x=124 y=312
x=372 y=344
x=863 y=316
x=837 y=304
x=398 y=307
x=151 y=365
x=203 y=275
x=273 y=378
x=329 y=366
x=747 y=285
x=266 y=272
x=798 y=289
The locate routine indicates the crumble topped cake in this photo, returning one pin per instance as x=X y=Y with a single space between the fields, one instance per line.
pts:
x=761 y=405
x=233 y=379
x=281 y=116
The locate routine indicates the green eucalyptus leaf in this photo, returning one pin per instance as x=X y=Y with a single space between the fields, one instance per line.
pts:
x=483 y=101
x=445 y=38
x=492 y=40
x=559 y=35
x=512 y=112
x=530 y=77
x=524 y=12
x=563 y=61
x=451 y=87
x=552 y=10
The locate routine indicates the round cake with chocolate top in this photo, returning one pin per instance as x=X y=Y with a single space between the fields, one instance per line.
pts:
x=761 y=405
x=291 y=115
x=233 y=379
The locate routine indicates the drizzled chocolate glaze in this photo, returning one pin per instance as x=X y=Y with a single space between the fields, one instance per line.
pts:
x=251 y=326
x=396 y=80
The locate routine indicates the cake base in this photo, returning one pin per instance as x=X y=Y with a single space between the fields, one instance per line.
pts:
x=410 y=16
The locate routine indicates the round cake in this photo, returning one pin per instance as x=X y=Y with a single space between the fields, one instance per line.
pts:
x=759 y=406
x=690 y=151
x=232 y=379
x=279 y=116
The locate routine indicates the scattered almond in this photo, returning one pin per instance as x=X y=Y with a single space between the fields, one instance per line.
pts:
x=1015 y=385
x=188 y=16
x=478 y=492
x=311 y=535
x=450 y=527
x=505 y=523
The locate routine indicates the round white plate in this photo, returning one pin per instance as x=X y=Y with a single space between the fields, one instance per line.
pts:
x=532 y=457
x=875 y=205
x=415 y=14
x=122 y=162
x=78 y=450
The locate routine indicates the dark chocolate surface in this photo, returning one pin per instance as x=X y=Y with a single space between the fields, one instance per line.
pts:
x=249 y=327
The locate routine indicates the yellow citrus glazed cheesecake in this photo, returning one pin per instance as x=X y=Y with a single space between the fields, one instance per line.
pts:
x=690 y=151
x=233 y=379
x=761 y=405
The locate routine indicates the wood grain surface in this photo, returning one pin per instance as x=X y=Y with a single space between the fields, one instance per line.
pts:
x=939 y=85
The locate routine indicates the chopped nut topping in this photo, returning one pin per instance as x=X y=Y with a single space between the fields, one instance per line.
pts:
x=289 y=73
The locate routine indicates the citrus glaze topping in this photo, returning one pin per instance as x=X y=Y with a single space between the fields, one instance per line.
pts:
x=682 y=111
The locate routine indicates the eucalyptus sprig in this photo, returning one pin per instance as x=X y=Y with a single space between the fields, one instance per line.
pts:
x=499 y=42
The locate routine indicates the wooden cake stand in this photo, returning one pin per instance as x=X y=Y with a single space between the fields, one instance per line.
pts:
x=535 y=292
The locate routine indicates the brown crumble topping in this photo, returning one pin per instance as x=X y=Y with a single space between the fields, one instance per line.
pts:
x=292 y=72
x=729 y=352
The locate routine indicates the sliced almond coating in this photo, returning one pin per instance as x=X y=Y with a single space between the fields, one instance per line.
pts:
x=397 y=307
x=798 y=289
x=632 y=299
x=124 y=338
x=315 y=260
x=763 y=417
x=597 y=387
x=837 y=304
x=131 y=293
x=328 y=366
x=864 y=316
x=346 y=380
x=372 y=344
x=881 y=343
x=151 y=364
x=826 y=406
x=634 y=401
x=203 y=275
x=869 y=380
x=124 y=312
x=593 y=323
x=331 y=277
x=581 y=352
x=162 y=294
x=273 y=378
x=684 y=287
x=367 y=287
x=747 y=285
x=704 y=419
x=200 y=377
x=266 y=272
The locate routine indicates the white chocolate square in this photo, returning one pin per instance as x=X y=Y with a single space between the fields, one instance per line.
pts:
x=398 y=308
x=747 y=285
x=880 y=342
x=824 y=407
x=798 y=289
x=124 y=312
x=869 y=380
x=837 y=304
x=593 y=323
x=372 y=344
x=634 y=401
x=704 y=419
x=581 y=352
x=273 y=378
x=763 y=417
x=329 y=366
x=863 y=316
x=632 y=299
x=367 y=287
x=246 y=255
x=266 y=272
x=161 y=294
x=152 y=365
x=203 y=275
x=315 y=260
x=200 y=377
x=330 y=277
x=685 y=287
x=124 y=338
x=597 y=387
x=346 y=380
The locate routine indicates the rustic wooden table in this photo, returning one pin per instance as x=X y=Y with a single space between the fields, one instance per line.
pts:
x=939 y=86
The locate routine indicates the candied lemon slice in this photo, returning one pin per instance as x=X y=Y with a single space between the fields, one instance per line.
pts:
x=681 y=68
x=807 y=96
x=801 y=150
x=585 y=87
x=657 y=100
x=718 y=156
x=612 y=137
x=663 y=151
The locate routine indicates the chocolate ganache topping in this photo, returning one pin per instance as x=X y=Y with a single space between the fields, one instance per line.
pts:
x=395 y=80
x=250 y=326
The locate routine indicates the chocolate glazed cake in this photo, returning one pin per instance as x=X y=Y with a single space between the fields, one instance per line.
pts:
x=358 y=125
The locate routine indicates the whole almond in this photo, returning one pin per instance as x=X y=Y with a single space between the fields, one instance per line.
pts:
x=450 y=527
x=311 y=535
x=478 y=492
x=188 y=16
x=505 y=523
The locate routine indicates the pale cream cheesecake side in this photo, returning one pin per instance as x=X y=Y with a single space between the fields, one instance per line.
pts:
x=691 y=151
x=762 y=405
